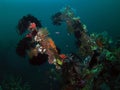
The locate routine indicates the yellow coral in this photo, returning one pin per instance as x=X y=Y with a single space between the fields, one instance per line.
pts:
x=32 y=52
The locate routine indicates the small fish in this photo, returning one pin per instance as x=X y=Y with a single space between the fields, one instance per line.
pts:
x=57 y=32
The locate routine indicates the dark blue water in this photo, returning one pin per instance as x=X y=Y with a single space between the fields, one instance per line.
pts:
x=98 y=15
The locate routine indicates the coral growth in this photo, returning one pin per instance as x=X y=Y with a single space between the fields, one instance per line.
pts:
x=14 y=83
x=97 y=61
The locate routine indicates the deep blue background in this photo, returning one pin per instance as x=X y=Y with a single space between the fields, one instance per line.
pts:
x=98 y=15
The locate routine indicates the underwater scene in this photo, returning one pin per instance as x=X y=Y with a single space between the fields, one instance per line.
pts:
x=60 y=45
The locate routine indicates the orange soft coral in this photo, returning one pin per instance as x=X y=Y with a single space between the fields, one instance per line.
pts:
x=32 y=26
x=99 y=43
x=63 y=56
x=51 y=44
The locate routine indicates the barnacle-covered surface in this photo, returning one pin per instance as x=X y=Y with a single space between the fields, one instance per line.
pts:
x=47 y=43
x=95 y=66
